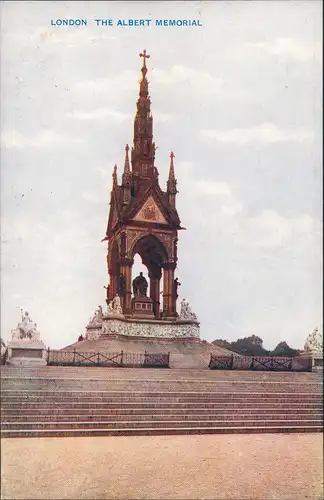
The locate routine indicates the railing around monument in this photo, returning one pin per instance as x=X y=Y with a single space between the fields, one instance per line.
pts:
x=260 y=363
x=103 y=358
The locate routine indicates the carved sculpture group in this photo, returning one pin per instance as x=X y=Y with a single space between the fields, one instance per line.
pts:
x=186 y=312
x=114 y=307
x=26 y=329
x=97 y=317
x=314 y=341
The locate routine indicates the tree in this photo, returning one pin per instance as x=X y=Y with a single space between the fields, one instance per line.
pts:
x=250 y=346
x=283 y=349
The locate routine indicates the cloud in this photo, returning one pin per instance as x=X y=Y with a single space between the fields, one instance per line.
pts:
x=267 y=133
x=289 y=47
x=123 y=81
x=99 y=114
x=45 y=139
x=160 y=117
x=72 y=37
x=186 y=76
x=267 y=230
x=214 y=197
x=270 y=230
x=93 y=197
x=218 y=188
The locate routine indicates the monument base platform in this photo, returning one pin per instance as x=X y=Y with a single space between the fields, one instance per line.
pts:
x=181 y=339
x=184 y=353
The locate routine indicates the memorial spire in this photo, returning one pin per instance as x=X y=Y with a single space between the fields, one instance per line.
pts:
x=126 y=178
x=114 y=177
x=143 y=151
x=172 y=182
x=126 y=163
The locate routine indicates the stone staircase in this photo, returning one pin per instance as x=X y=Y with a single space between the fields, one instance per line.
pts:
x=79 y=401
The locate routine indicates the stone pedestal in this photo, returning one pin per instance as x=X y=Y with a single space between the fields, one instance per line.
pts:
x=26 y=353
x=26 y=347
x=313 y=349
x=142 y=307
x=316 y=357
x=317 y=362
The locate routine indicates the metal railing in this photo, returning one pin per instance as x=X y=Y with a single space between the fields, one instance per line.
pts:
x=103 y=358
x=260 y=363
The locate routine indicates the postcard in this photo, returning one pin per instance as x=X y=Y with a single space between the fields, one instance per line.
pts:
x=161 y=237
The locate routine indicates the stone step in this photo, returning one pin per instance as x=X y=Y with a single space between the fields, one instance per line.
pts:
x=175 y=387
x=153 y=404
x=167 y=399
x=50 y=410
x=88 y=373
x=133 y=424
x=136 y=370
x=153 y=372
x=234 y=377
x=160 y=431
x=27 y=393
x=86 y=416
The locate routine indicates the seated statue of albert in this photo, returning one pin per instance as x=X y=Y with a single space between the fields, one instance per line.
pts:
x=140 y=285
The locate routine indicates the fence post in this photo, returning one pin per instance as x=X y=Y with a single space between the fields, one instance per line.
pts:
x=48 y=354
x=252 y=363
x=232 y=361
x=121 y=357
x=74 y=356
x=168 y=360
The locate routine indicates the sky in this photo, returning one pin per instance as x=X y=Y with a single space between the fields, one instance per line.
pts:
x=239 y=102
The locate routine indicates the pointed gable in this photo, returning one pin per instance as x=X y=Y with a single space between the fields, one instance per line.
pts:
x=150 y=212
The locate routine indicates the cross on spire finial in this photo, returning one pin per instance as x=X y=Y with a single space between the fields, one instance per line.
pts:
x=145 y=56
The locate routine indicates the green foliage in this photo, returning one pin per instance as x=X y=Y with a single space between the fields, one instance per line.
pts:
x=253 y=346
x=283 y=349
x=250 y=346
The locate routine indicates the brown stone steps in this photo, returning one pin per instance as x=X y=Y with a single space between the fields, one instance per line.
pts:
x=159 y=399
x=162 y=431
x=74 y=412
x=174 y=387
x=153 y=404
x=198 y=379
x=86 y=416
x=135 y=373
x=106 y=377
x=78 y=401
x=131 y=424
x=44 y=393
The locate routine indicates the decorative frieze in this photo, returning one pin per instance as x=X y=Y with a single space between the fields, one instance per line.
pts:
x=150 y=329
